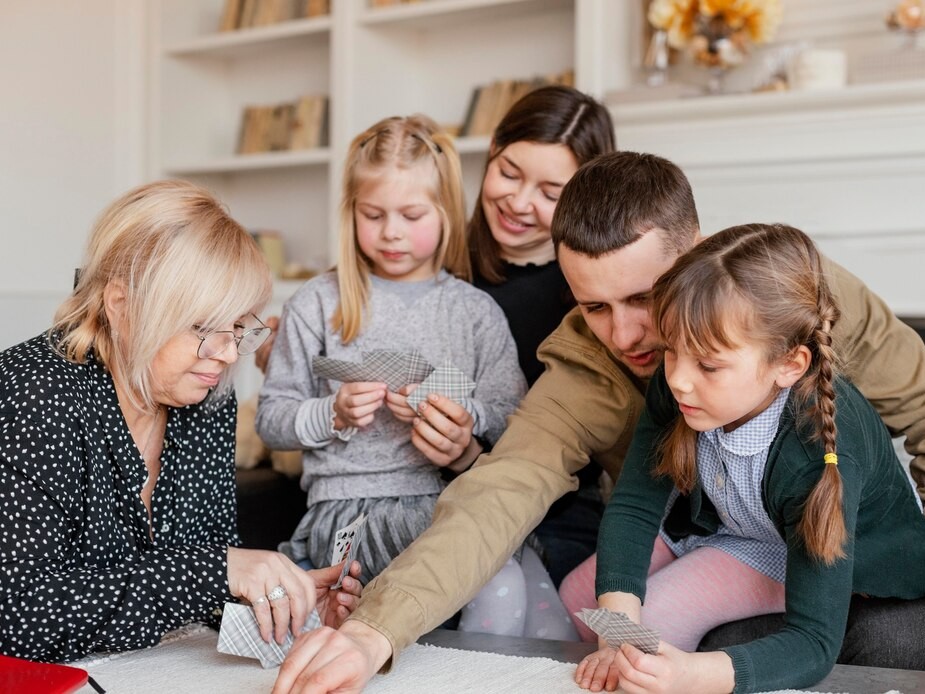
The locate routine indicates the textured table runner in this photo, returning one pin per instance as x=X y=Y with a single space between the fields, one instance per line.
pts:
x=187 y=662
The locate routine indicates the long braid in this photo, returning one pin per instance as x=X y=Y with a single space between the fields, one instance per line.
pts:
x=823 y=523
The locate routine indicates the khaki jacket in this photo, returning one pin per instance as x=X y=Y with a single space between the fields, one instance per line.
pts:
x=586 y=404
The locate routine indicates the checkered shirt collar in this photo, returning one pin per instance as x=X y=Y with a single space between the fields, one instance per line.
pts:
x=756 y=434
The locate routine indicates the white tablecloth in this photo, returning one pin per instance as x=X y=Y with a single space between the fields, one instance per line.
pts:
x=188 y=663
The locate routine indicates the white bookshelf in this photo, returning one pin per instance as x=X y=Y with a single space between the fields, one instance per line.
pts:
x=424 y=57
x=372 y=62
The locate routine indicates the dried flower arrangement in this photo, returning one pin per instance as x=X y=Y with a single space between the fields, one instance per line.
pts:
x=717 y=33
x=908 y=15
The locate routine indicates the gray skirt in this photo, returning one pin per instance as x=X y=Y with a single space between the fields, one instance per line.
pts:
x=392 y=523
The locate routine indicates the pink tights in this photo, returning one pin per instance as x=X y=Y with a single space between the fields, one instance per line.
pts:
x=686 y=596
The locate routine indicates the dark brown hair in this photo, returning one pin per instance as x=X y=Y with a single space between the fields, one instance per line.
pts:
x=767 y=282
x=549 y=115
x=613 y=200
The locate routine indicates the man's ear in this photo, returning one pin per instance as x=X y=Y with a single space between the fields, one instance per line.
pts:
x=793 y=366
x=114 y=303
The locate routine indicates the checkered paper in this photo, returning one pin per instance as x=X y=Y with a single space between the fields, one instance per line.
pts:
x=616 y=629
x=395 y=369
x=240 y=635
x=445 y=380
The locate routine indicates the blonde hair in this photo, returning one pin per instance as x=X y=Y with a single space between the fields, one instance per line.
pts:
x=400 y=143
x=181 y=260
x=767 y=282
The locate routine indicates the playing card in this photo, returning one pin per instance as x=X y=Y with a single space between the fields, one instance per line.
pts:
x=240 y=635
x=616 y=629
x=444 y=380
x=340 y=370
x=397 y=369
x=346 y=545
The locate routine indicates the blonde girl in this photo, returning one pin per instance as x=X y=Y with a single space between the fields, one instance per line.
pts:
x=399 y=285
x=745 y=476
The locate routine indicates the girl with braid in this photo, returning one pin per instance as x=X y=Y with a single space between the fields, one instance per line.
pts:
x=758 y=480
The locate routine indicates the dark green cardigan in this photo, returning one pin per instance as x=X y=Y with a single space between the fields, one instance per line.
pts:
x=885 y=550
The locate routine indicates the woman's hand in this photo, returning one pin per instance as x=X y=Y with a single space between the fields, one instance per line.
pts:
x=443 y=431
x=355 y=404
x=254 y=574
x=334 y=606
x=262 y=355
x=598 y=671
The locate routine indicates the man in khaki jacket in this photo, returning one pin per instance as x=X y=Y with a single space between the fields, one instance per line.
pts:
x=621 y=222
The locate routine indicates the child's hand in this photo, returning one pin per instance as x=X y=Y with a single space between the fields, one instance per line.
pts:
x=334 y=606
x=598 y=671
x=355 y=404
x=443 y=431
x=669 y=671
x=398 y=403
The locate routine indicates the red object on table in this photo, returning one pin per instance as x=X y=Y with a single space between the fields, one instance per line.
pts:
x=26 y=677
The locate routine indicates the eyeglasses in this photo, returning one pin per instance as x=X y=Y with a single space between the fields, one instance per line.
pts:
x=217 y=341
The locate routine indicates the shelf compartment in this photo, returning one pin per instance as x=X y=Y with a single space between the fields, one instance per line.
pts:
x=435 y=13
x=252 y=162
x=234 y=44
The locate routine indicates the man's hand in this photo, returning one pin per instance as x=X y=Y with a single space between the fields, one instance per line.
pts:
x=325 y=660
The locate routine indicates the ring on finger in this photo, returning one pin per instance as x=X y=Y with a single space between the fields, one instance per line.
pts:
x=260 y=600
x=278 y=593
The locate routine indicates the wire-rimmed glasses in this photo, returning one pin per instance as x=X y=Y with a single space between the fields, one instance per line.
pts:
x=246 y=342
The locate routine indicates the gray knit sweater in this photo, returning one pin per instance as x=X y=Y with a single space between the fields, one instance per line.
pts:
x=442 y=318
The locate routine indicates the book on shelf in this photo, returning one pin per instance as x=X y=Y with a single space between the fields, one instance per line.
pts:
x=310 y=123
x=231 y=17
x=271 y=244
x=285 y=126
x=245 y=14
x=488 y=103
x=316 y=8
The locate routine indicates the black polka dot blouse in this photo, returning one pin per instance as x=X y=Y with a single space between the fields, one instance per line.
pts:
x=79 y=571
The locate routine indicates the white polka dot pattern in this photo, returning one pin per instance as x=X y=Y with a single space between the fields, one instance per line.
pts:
x=78 y=570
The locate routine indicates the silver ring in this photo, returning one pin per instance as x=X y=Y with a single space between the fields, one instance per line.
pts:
x=260 y=601
x=277 y=593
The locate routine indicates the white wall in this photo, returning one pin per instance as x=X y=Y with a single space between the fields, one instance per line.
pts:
x=73 y=136
x=71 y=127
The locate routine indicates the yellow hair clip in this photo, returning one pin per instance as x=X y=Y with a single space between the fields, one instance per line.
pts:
x=830 y=459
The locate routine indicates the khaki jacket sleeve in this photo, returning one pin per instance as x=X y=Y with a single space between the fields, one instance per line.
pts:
x=583 y=405
x=885 y=359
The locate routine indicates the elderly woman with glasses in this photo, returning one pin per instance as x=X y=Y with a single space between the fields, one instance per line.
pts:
x=117 y=487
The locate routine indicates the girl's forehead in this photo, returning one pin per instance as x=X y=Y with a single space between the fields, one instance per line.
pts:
x=414 y=184
x=704 y=333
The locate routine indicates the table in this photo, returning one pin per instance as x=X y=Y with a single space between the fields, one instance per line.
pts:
x=843 y=678
x=189 y=662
